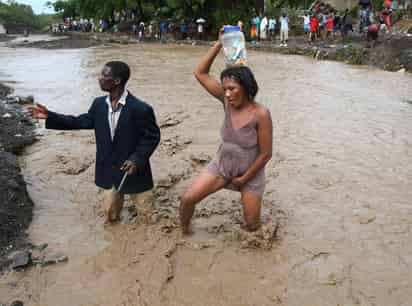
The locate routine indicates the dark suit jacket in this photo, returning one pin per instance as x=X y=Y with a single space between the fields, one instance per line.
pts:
x=137 y=136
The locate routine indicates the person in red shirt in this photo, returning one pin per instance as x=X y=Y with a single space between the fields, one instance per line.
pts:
x=372 y=34
x=314 y=22
x=386 y=15
x=329 y=26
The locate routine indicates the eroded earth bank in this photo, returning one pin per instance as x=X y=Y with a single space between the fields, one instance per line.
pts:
x=337 y=215
x=16 y=132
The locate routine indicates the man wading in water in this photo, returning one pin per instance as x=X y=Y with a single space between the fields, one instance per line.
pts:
x=126 y=136
x=246 y=144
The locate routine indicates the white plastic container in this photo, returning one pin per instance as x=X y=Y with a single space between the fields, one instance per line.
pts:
x=234 y=49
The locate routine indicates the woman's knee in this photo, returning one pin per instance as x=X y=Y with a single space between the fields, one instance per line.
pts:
x=201 y=188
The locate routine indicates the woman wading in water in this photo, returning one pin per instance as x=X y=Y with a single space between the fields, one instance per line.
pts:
x=246 y=144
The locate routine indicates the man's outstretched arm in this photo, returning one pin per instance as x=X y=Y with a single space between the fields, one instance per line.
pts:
x=63 y=122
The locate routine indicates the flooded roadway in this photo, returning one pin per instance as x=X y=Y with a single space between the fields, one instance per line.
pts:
x=339 y=182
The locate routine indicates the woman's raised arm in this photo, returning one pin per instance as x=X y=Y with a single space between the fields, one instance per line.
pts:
x=211 y=84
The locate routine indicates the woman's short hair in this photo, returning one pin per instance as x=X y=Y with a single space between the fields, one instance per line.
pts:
x=244 y=76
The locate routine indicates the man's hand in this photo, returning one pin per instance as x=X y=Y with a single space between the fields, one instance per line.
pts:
x=38 y=111
x=238 y=181
x=129 y=167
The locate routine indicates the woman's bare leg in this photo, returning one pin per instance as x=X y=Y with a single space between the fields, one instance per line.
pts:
x=204 y=185
x=252 y=204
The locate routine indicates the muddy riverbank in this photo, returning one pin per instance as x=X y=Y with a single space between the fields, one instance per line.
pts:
x=63 y=43
x=391 y=53
x=16 y=133
x=4 y=37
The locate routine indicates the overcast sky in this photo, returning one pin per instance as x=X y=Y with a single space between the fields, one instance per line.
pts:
x=37 y=5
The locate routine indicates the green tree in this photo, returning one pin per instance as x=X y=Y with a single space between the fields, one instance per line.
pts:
x=68 y=8
x=13 y=13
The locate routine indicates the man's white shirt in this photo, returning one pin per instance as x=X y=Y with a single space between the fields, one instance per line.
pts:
x=114 y=115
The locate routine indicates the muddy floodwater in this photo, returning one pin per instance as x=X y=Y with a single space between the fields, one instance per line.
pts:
x=337 y=207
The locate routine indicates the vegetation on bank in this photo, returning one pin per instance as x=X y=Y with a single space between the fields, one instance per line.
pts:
x=15 y=16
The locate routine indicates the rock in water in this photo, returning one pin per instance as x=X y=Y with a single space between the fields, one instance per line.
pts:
x=21 y=260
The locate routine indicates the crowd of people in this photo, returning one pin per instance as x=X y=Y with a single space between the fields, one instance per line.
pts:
x=324 y=22
x=318 y=24
x=74 y=24
x=194 y=29
x=155 y=29
x=321 y=22
x=263 y=28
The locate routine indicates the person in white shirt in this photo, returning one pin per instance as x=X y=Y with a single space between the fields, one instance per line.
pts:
x=272 y=28
x=200 y=29
x=263 y=28
x=306 y=23
x=151 y=30
x=284 y=30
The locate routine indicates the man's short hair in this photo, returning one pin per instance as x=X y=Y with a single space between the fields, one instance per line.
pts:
x=120 y=70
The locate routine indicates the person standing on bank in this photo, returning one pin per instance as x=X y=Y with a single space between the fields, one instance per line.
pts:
x=246 y=144
x=284 y=30
x=126 y=136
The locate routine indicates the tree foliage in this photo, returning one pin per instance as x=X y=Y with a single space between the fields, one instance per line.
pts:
x=14 y=13
x=216 y=12
x=147 y=9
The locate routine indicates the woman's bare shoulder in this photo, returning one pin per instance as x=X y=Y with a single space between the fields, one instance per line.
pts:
x=262 y=112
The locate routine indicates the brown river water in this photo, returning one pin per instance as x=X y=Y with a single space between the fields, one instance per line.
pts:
x=337 y=207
